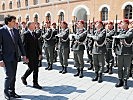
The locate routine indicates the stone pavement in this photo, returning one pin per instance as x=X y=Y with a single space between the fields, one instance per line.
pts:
x=58 y=86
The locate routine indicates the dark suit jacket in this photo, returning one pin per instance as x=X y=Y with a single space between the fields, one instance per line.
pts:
x=9 y=48
x=31 y=46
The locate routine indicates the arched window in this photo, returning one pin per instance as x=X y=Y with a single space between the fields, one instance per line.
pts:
x=48 y=17
x=128 y=12
x=27 y=18
x=19 y=19
x=36 y=18
x=18 y=3
x=104 y=14
x=3 y=6
x=26 y=3
x=10 y=5
x=47 y=1
x=35 y=2
x=61 y=16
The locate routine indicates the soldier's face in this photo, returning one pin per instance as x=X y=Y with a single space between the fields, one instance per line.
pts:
x=80 y=25
x=63 y=25
x=98 y=25
x=110 y=26
x=124 y=25
x=48 y=25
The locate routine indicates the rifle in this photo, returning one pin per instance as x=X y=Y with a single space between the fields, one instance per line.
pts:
x=93 y=26
x=116 y=26
x=58 y=27
x=89 y=27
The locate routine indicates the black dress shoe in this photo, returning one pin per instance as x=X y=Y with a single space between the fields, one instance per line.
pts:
x=37 y=86
x=14 y=95
x=24 y=81
x=7 y=97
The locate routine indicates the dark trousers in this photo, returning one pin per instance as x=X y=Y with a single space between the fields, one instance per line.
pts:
x=89 y=55
x=10 y=70
x=33 y=67
x=98 y=62
x=124 y=62
x=109 y=57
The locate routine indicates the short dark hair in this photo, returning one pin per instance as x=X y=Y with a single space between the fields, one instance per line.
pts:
x=9 y=19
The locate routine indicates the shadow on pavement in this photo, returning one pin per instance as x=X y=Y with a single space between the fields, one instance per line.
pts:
x=63 y=89
x=41 y=97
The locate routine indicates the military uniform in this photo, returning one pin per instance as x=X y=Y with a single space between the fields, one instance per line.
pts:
x=49 y=43
x=109 y=57
x=89 y=45
x=78 y=49
x=55 y=32
x=63 y=48
x=98 y=51
x=123 y=48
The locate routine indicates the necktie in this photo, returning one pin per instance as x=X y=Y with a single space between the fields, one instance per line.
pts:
x=12 y=35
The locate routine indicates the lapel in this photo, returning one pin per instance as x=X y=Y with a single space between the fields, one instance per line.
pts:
x=7 y=32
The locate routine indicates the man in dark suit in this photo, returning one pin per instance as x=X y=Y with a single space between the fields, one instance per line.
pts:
x=33 y=53
x=9 y=42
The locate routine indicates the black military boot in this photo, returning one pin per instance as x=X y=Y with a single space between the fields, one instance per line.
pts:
x=107 y=69
x=110 y=70
x=119 y=84
x=81 y=73
x=77 y=74
x=64 y=70
x=50 y=67
x=100 y=78
x=96 y=77
x=61 y=70
x=91 y=67
x=47 y=66
x=125 y=85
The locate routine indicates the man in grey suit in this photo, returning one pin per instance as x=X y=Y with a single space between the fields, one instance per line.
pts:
x=99 y=50
x=9 y=42
x=123 y=48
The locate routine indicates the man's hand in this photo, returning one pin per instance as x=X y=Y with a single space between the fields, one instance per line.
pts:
x=25 y=59
x=40 y=57
x=2 y=64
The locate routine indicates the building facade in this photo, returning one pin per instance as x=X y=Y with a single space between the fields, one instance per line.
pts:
x=68 y=10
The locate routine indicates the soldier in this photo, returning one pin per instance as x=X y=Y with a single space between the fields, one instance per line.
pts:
x=49 y=43
x=78 y=48
x=109 y=57
x=64 y=46
x=123 y=47
x=38 y=32
x=99 y=50
x=89 y=44
x=55 y=32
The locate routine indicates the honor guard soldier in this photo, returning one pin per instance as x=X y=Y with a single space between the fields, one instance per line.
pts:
x=49 y=43
x=79 y=47
x=55 y=32
x=99 y=50
x=63 y=46
x=123 y=47
x=89 y=44
x=109 y=57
